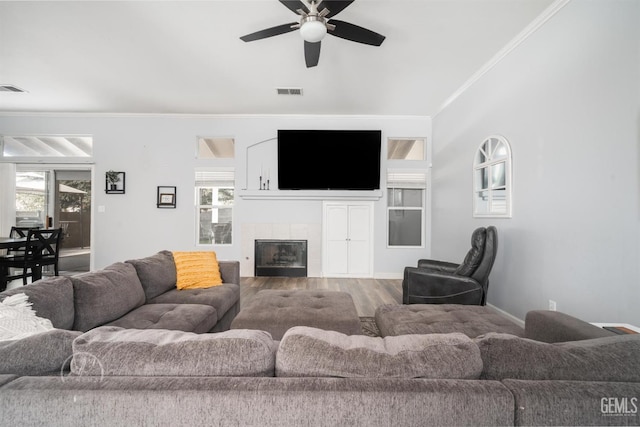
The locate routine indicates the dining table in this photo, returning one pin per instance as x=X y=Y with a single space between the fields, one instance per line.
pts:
x=12 y=243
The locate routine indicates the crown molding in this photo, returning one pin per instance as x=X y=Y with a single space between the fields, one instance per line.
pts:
x=529 y=30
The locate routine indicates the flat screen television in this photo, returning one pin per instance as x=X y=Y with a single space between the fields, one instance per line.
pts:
x=329 y=159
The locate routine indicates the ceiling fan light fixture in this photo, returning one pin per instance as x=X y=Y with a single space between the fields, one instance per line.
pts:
x=313 y=29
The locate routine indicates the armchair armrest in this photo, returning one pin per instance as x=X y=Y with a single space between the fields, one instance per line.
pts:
x=433 y=264
x=554 y=326
x=422 y=286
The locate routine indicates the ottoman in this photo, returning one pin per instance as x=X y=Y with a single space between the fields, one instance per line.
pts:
x=471 y=320
x=275 y=311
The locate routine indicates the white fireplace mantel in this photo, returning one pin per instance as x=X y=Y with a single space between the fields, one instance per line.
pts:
x=310 y=195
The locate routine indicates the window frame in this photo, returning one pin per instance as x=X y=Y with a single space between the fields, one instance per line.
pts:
x=225 y=179
x=483 y=161
x=406 y=179
x=222 y=139
x=63 y=159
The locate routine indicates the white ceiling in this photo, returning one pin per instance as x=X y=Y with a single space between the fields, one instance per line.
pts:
x=185 y=57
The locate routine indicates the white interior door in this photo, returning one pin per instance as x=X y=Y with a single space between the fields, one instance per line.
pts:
x=336 y=253
x=348 y=239
x=359 y=244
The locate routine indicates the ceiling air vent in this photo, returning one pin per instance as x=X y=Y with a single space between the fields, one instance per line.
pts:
x=289 y=91
x=10 y=88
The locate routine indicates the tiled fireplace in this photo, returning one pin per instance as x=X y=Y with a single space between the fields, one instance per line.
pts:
x=281 y=258
x=311 y=233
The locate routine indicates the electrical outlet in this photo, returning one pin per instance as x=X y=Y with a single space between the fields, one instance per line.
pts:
x=552 y=305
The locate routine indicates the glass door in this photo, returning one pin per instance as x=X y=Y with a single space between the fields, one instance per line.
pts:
x=58 y=198
x=32 y=199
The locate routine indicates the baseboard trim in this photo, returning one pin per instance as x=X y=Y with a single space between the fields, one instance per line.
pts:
x=507 y=315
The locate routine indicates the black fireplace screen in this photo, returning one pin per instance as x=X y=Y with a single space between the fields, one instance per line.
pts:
x=281 y=258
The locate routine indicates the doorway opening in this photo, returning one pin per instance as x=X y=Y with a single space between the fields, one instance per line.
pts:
x=58 y=198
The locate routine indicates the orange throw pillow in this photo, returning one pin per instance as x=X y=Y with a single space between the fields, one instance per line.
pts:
x=197 y=270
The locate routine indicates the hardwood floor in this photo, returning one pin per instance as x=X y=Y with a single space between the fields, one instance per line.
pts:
x=367 y=294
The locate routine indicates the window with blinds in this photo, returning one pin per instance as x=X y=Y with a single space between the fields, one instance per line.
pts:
x=405 y=207
x=214 y=205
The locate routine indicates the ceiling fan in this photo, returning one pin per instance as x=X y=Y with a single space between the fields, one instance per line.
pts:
x=314 y=25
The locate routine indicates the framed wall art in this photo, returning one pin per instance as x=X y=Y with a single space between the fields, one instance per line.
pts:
x=166 y=197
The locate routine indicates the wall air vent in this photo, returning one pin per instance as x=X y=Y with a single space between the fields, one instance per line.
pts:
x=10 y=88
x=289 y=91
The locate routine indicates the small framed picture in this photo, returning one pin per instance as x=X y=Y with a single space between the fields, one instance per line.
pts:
x=167 y=199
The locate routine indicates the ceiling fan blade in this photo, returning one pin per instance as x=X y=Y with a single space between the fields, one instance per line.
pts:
x=352 y=32
x=294 y=5
x=269 y=32
x=311 y=53
x=335 y=6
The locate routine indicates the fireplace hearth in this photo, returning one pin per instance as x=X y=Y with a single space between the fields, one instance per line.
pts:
x=281 y=258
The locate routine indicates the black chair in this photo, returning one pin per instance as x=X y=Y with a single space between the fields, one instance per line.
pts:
x=441 y=282
x=41 y=249
x=17 y=233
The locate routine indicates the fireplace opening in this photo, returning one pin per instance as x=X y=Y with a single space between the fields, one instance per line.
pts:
x=281 y=258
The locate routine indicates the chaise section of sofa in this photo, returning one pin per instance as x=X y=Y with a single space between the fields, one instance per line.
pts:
x=584 y=382
x=158 y=277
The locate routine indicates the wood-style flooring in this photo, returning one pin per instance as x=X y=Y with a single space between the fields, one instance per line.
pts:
x=367 y=294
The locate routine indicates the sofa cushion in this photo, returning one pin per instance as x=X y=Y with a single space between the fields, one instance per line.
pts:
x=51 y=298
x=105 y=295
x=157 y=273
x=312 y=352
x=196 y=270
x=222 y=297
x=117 y=351
x=601 y=359
x=43 y=353
x=196 y=318
x=471 y=320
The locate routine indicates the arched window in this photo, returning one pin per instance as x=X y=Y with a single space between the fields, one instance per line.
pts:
x=492 y=179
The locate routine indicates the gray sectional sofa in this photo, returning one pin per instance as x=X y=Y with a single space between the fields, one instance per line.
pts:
x=136 y=294
x=117 y=375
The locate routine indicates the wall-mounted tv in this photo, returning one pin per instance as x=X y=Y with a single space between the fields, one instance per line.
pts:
x=329 y=159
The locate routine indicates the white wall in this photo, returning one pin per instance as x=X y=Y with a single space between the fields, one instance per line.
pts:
x=568 y=100
x=160 y=150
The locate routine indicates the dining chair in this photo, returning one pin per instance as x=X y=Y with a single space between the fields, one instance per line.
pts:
x=17 y=233
x=41 y=249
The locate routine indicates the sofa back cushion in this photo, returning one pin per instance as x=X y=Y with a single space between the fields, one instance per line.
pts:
x=109 y=350
x=157 y=273
x=474 y=256
x=105 y=295
x=51 y=299
x=312 y=352
x=613 y=358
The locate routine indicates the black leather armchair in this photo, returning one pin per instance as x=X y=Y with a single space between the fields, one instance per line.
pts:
x=440 y=282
